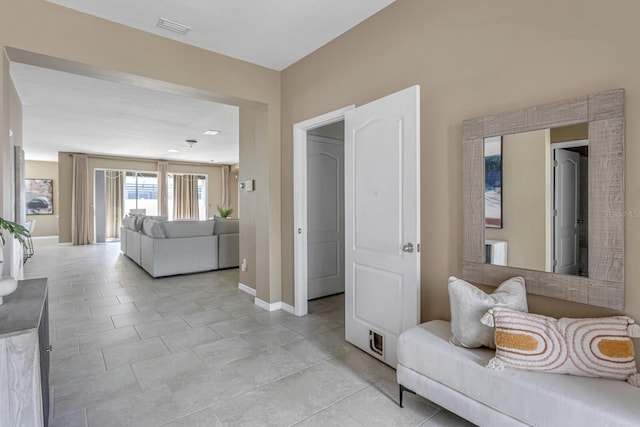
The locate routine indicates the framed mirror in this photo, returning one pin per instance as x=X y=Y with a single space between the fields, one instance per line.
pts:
x=513 y=233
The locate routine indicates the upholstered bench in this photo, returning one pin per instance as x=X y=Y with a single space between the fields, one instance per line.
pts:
x=456 y=379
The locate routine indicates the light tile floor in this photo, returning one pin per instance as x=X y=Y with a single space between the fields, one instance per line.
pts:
x=193 y=350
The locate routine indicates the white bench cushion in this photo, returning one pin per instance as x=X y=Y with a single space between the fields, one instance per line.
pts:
x=537 y=399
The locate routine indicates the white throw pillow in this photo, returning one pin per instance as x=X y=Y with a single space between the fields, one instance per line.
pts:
x=469 y=304
x=140 y=219
x=153 y=228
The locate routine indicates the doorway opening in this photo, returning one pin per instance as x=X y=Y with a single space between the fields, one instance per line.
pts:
x=325 y=132
x=570 y=212
x=325 y=210
x=381 y=220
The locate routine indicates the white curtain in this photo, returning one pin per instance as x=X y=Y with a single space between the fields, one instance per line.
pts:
x=163 y=194
x=225 y=186
x=80 y=203
x=185 y=197
x=114 y=203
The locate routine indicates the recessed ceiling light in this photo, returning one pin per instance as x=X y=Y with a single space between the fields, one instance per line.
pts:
x=176 y=27
x=173 y=150
x=211 y=132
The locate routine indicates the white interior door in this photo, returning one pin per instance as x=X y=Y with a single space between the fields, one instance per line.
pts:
x=325 y=207
x=565 y=222
x=382 y=211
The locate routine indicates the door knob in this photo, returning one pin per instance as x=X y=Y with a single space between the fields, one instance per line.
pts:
x=407 y=247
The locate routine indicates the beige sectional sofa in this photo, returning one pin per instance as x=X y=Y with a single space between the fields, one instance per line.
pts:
x=166 y=248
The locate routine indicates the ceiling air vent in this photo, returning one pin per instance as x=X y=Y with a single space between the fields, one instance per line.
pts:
x=170 y=25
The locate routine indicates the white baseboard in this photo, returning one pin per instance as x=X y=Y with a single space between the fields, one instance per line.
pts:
x=288 y=308
x=266 y=306
x=247 y=289
x=274 y=306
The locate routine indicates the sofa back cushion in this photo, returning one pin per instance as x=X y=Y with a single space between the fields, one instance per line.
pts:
x=153 y=228
x=140 y=219
x=129 y=221
x=226 y=225
x=188 y=228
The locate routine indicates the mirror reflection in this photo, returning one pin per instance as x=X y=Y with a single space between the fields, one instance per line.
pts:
x=536 y=200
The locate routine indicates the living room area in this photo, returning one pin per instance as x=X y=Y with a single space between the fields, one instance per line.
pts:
x=190 y=350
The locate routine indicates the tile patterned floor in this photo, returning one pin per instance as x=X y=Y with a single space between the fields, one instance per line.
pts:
x=193 y=350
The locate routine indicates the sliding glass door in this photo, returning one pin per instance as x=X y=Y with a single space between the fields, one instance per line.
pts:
x=141 y=192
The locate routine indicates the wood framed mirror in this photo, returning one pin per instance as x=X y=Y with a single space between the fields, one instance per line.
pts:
x=604 y=116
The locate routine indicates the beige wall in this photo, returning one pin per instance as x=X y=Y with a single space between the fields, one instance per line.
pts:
x=247 y=200
x=116 y=52
x=233 y=191
x=214 y=181
x=471 y=58
x=570 y=133
x=46 y=225
x=10 y=137
x=524 y=200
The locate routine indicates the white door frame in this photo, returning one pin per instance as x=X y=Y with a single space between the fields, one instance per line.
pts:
x=300 y=256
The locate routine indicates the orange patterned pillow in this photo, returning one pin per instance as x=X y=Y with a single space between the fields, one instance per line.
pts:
x=599 y=347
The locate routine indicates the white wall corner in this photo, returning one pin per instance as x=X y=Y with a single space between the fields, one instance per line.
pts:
x=247 y=289
x=266 y=306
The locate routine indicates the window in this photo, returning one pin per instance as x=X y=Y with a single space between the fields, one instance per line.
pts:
x=141 y=192
x=176 y=205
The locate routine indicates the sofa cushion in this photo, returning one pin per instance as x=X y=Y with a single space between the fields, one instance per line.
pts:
x=226 y=225
x=153 y=228
x=129 y=221
x=469 y=304
x=592 y=347
x=140 y=219
x=188 y=228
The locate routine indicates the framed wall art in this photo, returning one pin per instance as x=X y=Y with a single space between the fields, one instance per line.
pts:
x=39 y=196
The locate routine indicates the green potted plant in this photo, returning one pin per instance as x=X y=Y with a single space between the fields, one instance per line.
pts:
x=224 y=212
x=20 y=233
x=13 y=229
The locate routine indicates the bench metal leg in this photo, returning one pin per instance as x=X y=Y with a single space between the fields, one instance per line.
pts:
x=402 y=390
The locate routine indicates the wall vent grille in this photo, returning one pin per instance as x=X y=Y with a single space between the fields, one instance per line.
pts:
x=176 y=27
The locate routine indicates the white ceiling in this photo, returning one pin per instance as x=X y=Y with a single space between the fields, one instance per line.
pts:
x=271 y=33
x=69 y=112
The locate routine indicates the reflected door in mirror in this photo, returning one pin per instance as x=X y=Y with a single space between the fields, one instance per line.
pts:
x=536 y=198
